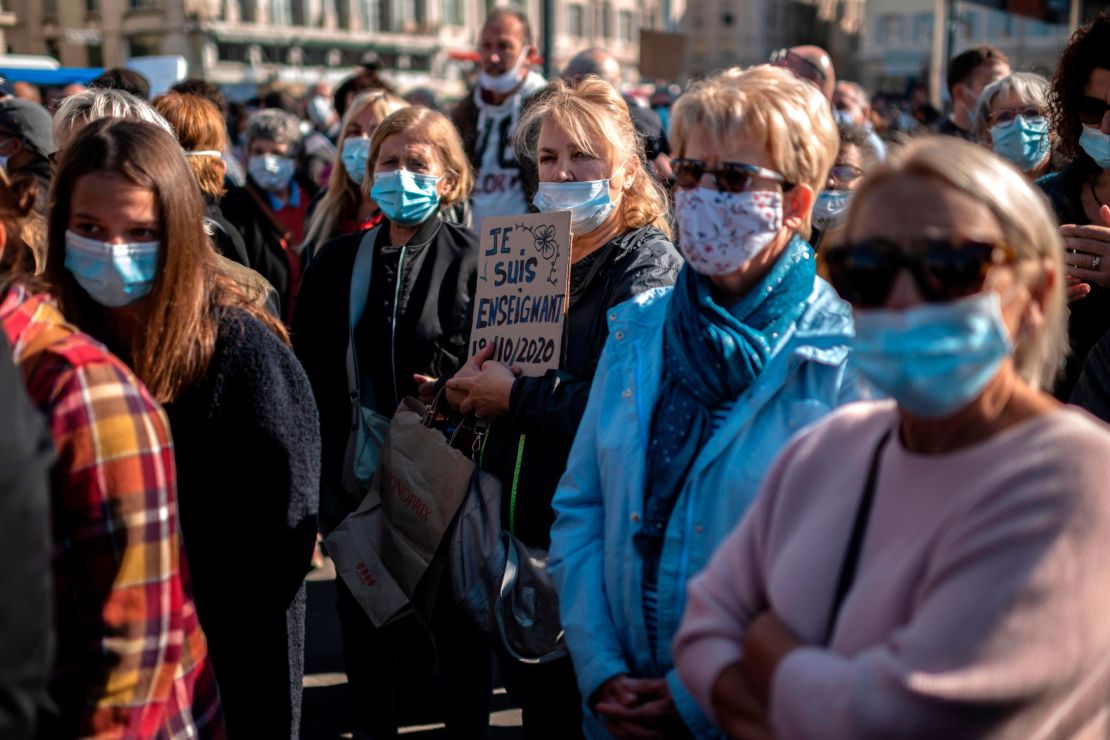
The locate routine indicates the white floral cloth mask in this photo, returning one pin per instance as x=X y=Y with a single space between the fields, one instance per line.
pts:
x=718 y=232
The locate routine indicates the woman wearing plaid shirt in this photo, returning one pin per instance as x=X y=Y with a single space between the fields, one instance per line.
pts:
x=130 y=657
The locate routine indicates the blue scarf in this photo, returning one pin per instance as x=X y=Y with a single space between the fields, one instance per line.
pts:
x=711 y=356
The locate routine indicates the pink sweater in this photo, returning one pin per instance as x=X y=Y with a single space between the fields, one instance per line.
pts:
x=981 y=605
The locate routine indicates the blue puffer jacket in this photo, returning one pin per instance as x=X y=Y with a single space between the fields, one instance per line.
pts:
x=595 y=565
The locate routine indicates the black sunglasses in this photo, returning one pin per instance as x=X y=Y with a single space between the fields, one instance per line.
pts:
x=1092 y=110
x=943 y=269
x=731 y=177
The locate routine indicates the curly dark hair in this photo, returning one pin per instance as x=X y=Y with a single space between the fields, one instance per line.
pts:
x=1085 y=52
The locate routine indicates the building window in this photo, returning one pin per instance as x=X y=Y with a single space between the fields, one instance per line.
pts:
x=606 y=24
x=453 y=13
x=923 y=27
x=367 y=10
x=624 y=26
x=94 y=54
x=1000 y=25
x=576 y=21
x=890 y=29
x=144 y=45
x=142 y=4
x=90 y=7
x=49 y=7
x=281 y=12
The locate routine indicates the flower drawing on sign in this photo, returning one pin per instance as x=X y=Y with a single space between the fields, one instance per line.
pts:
x=544 y=238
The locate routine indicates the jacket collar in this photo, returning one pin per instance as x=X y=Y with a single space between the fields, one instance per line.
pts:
x=822 y=334
x=424 y=236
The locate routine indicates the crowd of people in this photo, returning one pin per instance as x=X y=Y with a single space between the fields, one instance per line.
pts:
x=823 y=456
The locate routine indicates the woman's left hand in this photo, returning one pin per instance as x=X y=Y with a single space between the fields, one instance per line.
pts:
x=1088 y=250
x=767 y=641
x=488 y=392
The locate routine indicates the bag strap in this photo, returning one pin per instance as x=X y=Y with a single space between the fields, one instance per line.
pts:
x=516 y=483
x=508 y=578
x=360 y=288
x=859 y=531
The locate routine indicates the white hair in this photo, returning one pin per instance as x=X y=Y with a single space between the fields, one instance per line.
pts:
x=1030 y=89
x=77 y=111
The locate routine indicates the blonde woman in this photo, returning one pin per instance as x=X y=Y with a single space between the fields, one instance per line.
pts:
x=698 y=388
x=581 y=139
x=975 y=604
x=344 y=206
x=417 y=320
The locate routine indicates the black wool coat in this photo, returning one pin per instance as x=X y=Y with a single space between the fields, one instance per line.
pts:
x=416 y=320
x=247 y=446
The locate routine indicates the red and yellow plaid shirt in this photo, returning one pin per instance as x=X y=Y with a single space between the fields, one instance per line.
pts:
x=131 y=658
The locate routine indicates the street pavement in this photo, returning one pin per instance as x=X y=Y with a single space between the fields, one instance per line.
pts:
x=326 y=712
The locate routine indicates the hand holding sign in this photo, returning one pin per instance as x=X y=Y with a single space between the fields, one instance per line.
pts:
x=485 y=392
x=521 y=301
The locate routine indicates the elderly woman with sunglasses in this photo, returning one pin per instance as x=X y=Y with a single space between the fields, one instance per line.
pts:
x=1080 y=192
x=697 y=389
x=1010 y=119
x=931 y=565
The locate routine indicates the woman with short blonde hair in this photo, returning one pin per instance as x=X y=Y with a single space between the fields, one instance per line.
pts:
x=697 y=389
x=580 y=139
x=932 y=565
x=422 y=278
x=344 y=206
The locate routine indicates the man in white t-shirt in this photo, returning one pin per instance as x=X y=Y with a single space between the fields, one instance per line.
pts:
x=488 y=115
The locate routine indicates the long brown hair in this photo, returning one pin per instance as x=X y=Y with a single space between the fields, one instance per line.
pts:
x=179 y=317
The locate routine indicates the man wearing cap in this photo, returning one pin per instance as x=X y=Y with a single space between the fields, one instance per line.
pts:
x=26 y=143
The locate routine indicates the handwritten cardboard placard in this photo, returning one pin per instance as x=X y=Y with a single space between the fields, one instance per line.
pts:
x=523 y=278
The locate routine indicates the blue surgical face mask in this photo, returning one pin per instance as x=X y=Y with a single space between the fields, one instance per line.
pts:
x=355 y=153
x=588 y=202
x=405 y=198
x=935 y=358
x=1023 y=141
x=830 y=207
x=114 y=275
x=271 y=172
x=1097 y=146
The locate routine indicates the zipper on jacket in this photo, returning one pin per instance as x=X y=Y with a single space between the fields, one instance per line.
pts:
x=393 y=325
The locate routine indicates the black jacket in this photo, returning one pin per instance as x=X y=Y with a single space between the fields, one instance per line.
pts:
x=225 y=237
x=424 y=331
x=248 y=210
x=247 y=448
x=548 y=409
x=26 y=451
x=1088 y=318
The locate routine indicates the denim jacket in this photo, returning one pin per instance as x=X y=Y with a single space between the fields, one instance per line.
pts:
x=599 y=502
